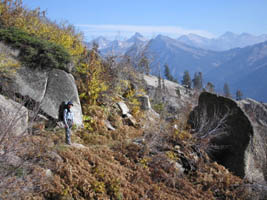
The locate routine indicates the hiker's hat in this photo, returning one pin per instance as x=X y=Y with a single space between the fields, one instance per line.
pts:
x=70 y=103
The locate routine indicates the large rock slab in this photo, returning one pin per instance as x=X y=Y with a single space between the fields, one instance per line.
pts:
x=13 y=116
x=46 y=87
x=233 y=133
x=49 y=88
x=61 y=87
x=256 y=153
x=145 y=102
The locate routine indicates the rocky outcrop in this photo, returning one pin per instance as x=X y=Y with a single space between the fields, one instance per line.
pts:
x=233 y=133
x=256 y=154
x=145 y=102
x=128 y=118
x=45 y=87
x=14 y=117
x=49 y=88
x=174 y=96
x=123 y=107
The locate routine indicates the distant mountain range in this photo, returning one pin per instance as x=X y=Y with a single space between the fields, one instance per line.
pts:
x=227 y=41
x=242 y=64
x=117 y=47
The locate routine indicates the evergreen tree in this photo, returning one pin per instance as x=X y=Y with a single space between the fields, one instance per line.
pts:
x=239 y=95
x=186 y=79
x=159 y=81
x=200 y=80
x=226 y=91
x=210 y=87
x=197 y=81
x=168 y=74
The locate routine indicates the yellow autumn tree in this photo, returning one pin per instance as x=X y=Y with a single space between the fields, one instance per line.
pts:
x=91 y=85
x=91 y=81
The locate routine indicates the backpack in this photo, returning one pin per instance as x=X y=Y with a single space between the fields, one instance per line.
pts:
x=61 y=109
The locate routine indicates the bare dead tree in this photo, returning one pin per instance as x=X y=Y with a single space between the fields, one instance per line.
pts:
x=207 y=121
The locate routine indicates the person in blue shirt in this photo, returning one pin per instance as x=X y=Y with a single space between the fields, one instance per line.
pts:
x=68 y=121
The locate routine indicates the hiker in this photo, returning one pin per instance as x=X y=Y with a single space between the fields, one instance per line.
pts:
x=68 y=121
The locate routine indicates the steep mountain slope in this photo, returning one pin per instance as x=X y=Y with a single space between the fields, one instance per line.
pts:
x=164 y=50
x=245 y=69
x=125 y=150
x=254 y=84
x=117 y=155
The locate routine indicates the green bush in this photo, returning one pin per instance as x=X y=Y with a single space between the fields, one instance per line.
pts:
x=35 y=52
x=158 y=107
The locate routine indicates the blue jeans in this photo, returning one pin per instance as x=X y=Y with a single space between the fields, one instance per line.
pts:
x=68 y=132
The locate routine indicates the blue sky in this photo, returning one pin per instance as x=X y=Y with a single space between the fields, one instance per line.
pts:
x=121 y=18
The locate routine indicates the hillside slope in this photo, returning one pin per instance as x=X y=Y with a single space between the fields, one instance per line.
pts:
x=153 y=162
x=244 y=70
x=131 y=144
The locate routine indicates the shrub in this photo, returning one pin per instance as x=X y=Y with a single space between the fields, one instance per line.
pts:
x=7 y=64
x=90 y=78
x=158 y=107
x=34 y=51
x=113 y=189
x=131 y=97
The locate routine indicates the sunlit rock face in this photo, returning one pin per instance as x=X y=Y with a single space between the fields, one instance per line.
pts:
x=46 y=88
x=235 y=134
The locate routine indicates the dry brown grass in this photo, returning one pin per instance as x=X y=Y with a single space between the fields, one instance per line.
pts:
x=113 y=165
x=120 y=170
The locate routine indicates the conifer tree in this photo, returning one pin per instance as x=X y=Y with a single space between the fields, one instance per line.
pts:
x=210 y=87
x=239 y=95
x=200 y=80
x=226 y=91
x=168 y=73
x=186 y=79
x=197 y=81
x=159 y=81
